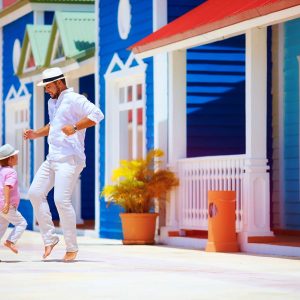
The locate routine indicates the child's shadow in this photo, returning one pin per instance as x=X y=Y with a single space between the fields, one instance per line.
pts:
x=10 y=261
x=50 y=260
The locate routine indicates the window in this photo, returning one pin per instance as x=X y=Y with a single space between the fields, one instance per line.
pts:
x=131 y=120
x=125 y=109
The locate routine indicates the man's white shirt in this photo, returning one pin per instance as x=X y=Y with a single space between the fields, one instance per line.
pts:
x=68 y=109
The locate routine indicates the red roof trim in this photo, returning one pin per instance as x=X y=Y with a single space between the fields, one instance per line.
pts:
x=210 y=16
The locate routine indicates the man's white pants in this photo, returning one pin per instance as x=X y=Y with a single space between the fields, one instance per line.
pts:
x=63 y=176
x=15 y=218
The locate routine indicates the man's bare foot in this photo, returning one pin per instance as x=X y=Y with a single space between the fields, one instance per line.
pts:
x=69 y=256
x=48 y=249
x=11 y=246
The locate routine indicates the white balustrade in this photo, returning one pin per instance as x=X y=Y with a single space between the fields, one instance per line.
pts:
x=199 y=175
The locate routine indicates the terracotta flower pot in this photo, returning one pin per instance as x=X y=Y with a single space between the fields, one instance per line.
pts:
x=138 y=229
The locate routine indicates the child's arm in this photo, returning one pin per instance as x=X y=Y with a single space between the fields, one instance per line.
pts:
x=5 y=208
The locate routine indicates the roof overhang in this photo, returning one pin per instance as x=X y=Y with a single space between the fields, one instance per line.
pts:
x=23 y=7
x=71 y=68
x=169 y=39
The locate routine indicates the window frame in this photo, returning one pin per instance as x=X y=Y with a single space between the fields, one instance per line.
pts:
x=119 y=74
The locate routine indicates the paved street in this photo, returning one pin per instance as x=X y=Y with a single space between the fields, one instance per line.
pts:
x=108 y=270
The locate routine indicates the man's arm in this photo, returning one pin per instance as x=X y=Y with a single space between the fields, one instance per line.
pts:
x=30 y=134
x=81 y=124
x=92 y=115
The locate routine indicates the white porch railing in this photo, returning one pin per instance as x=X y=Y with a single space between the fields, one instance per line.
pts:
x=199 y=175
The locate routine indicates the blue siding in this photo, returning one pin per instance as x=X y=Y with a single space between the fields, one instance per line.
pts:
x=215 y=93
x=48 y=17
x=291 y=124
x=11 y=32
x=110 y=43
x=177 y=8
x=216 y=98
x=87 y=87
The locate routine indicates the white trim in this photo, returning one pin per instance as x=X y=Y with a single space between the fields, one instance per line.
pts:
x=177 y=136
x=12 y=93
x=73 y=70
x=97 y=128
x=256 y=97
x=116 y=61
x=29 y=7
x=38 y=18
x=124 y=19
x=177 y=106
x=160 y=82
x=28 y=51
x=226 y=32
x=256 y=181
x=63 y=7
x=281 y=124
x=53 y=60
x=16 y=54
x=20 y=100
x=38 y=122
x=160 y=13
x=113 y=81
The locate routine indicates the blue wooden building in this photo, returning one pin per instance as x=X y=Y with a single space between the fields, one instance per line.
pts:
x=134 y=92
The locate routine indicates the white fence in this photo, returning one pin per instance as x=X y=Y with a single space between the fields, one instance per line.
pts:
x=198 y=176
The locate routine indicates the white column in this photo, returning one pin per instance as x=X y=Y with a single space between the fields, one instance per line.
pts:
x=176 y=121
x=256 y=198
x=97 y=128
x=38 y=122
x=160 y=70
x=1 y=83
x=38 y=18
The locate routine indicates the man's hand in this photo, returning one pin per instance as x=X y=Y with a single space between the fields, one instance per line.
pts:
x=29 y=134
x=68 y=130
x=5 y=209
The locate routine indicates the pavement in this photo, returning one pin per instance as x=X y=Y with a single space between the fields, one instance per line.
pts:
x=106 y=269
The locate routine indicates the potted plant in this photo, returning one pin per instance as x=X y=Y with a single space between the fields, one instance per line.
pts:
x=135 y=186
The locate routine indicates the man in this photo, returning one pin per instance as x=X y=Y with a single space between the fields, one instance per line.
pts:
x=70 y=114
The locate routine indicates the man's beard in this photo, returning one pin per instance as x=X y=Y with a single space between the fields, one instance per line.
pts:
x=56 y=95
x=58 y=91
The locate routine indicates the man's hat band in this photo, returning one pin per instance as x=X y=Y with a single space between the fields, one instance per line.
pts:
x=53 y=78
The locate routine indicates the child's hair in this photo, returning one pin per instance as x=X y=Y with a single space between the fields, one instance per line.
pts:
x=4 y=162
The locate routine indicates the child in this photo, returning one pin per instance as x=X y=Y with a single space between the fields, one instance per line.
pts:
x=10 y=197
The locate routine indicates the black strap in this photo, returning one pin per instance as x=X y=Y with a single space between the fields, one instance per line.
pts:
x=53 y=78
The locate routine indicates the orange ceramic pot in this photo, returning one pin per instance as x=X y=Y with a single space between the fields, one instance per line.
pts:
x=138 y=229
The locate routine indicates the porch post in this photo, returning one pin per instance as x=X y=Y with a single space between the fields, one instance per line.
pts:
x=176 y=122
x=256 y=197
x=160 y=90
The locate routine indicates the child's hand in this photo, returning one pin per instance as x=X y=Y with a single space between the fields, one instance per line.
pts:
x=5 y=209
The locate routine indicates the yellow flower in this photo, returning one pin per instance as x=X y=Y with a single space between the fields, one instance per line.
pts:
x=137 y=182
